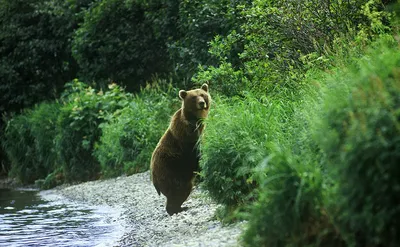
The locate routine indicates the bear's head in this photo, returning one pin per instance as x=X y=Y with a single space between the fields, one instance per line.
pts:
x=195 y=103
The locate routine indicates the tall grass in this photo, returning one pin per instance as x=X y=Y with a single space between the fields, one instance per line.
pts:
x=335 y=182
x=18 y=144
x=236 y=140
x=131 y=135
x=29 y=142
x=290 y=208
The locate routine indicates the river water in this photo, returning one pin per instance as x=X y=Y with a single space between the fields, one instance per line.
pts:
x=32 y=218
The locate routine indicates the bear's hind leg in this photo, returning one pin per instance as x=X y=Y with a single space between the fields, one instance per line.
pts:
x=176 y=199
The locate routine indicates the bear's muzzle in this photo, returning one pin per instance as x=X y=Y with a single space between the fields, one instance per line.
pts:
x=202 y=105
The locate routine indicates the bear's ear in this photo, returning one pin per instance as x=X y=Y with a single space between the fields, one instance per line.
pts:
x=182 y=94
x=204 y=87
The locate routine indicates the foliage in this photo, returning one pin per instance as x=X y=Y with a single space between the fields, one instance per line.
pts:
x=235 y=142
x=290 y=209
x=4 y=162
x=83 y=111
x=35 y=51
x=59 y=140
x=29 y=142
x=18 y=140
x=360 y=137
x=276 y=35
x=336 y=157
x=224 y=79
x=198 y=22
x=118 y=41
x=131 y=135
x=54 y=142
x=43 y=121
x=306 y=148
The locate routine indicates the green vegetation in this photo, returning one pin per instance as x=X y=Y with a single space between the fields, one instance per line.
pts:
x=78 y=127
x=362 y=136
x=236 y=141
x=323 y=185
x=29 y=141
x=62 y=140
x=303 y=137
x=132 y=133
x=116 y=42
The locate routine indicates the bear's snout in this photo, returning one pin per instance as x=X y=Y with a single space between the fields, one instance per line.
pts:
x=202 y=103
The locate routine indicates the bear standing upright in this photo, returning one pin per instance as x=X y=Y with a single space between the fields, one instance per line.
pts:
x=176 y=157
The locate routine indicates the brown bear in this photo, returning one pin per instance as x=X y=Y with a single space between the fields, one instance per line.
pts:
x=175 y=160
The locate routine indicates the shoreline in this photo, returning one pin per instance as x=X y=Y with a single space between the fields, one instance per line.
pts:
x=143 y=214
x=9 y=183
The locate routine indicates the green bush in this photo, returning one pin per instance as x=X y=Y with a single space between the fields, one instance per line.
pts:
x=53 y=142
x=43 y=121
x=360 y=136
x=129 y=139
x=131 y=41
x=35 y=50
x=78 y=129
x=330 y=157
x=235 y=141
x=120 y=41
x=225 y=79
x=290 y=210
x=29 y=142
x=19 y=146
x=275 y=36
x=198 y=22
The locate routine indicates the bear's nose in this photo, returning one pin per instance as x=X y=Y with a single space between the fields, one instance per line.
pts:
x=202 y=104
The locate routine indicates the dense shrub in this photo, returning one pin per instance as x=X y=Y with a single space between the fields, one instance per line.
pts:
x=54 y=143
x=4 y=163
x=131 y=41
x=198 y=22
x=338 y=160
x=18 y=145
x=290 y=210
x=360 y=137
x=276 y=35
x=43 y=129
x=224 y=79
x=313 y=160
x=120 y=41
x=129 y=139
x=29 y=142
x=235 y=141
x=78 y=130
x=35 y=50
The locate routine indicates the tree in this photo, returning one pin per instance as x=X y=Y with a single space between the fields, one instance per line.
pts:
x=122 y=41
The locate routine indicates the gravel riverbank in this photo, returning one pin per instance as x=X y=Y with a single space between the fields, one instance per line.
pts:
x=144 y=217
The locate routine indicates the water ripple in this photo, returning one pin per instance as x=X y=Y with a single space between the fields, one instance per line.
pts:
x=26 y=219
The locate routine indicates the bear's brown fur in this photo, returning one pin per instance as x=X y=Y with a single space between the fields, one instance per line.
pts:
x=176 y=157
